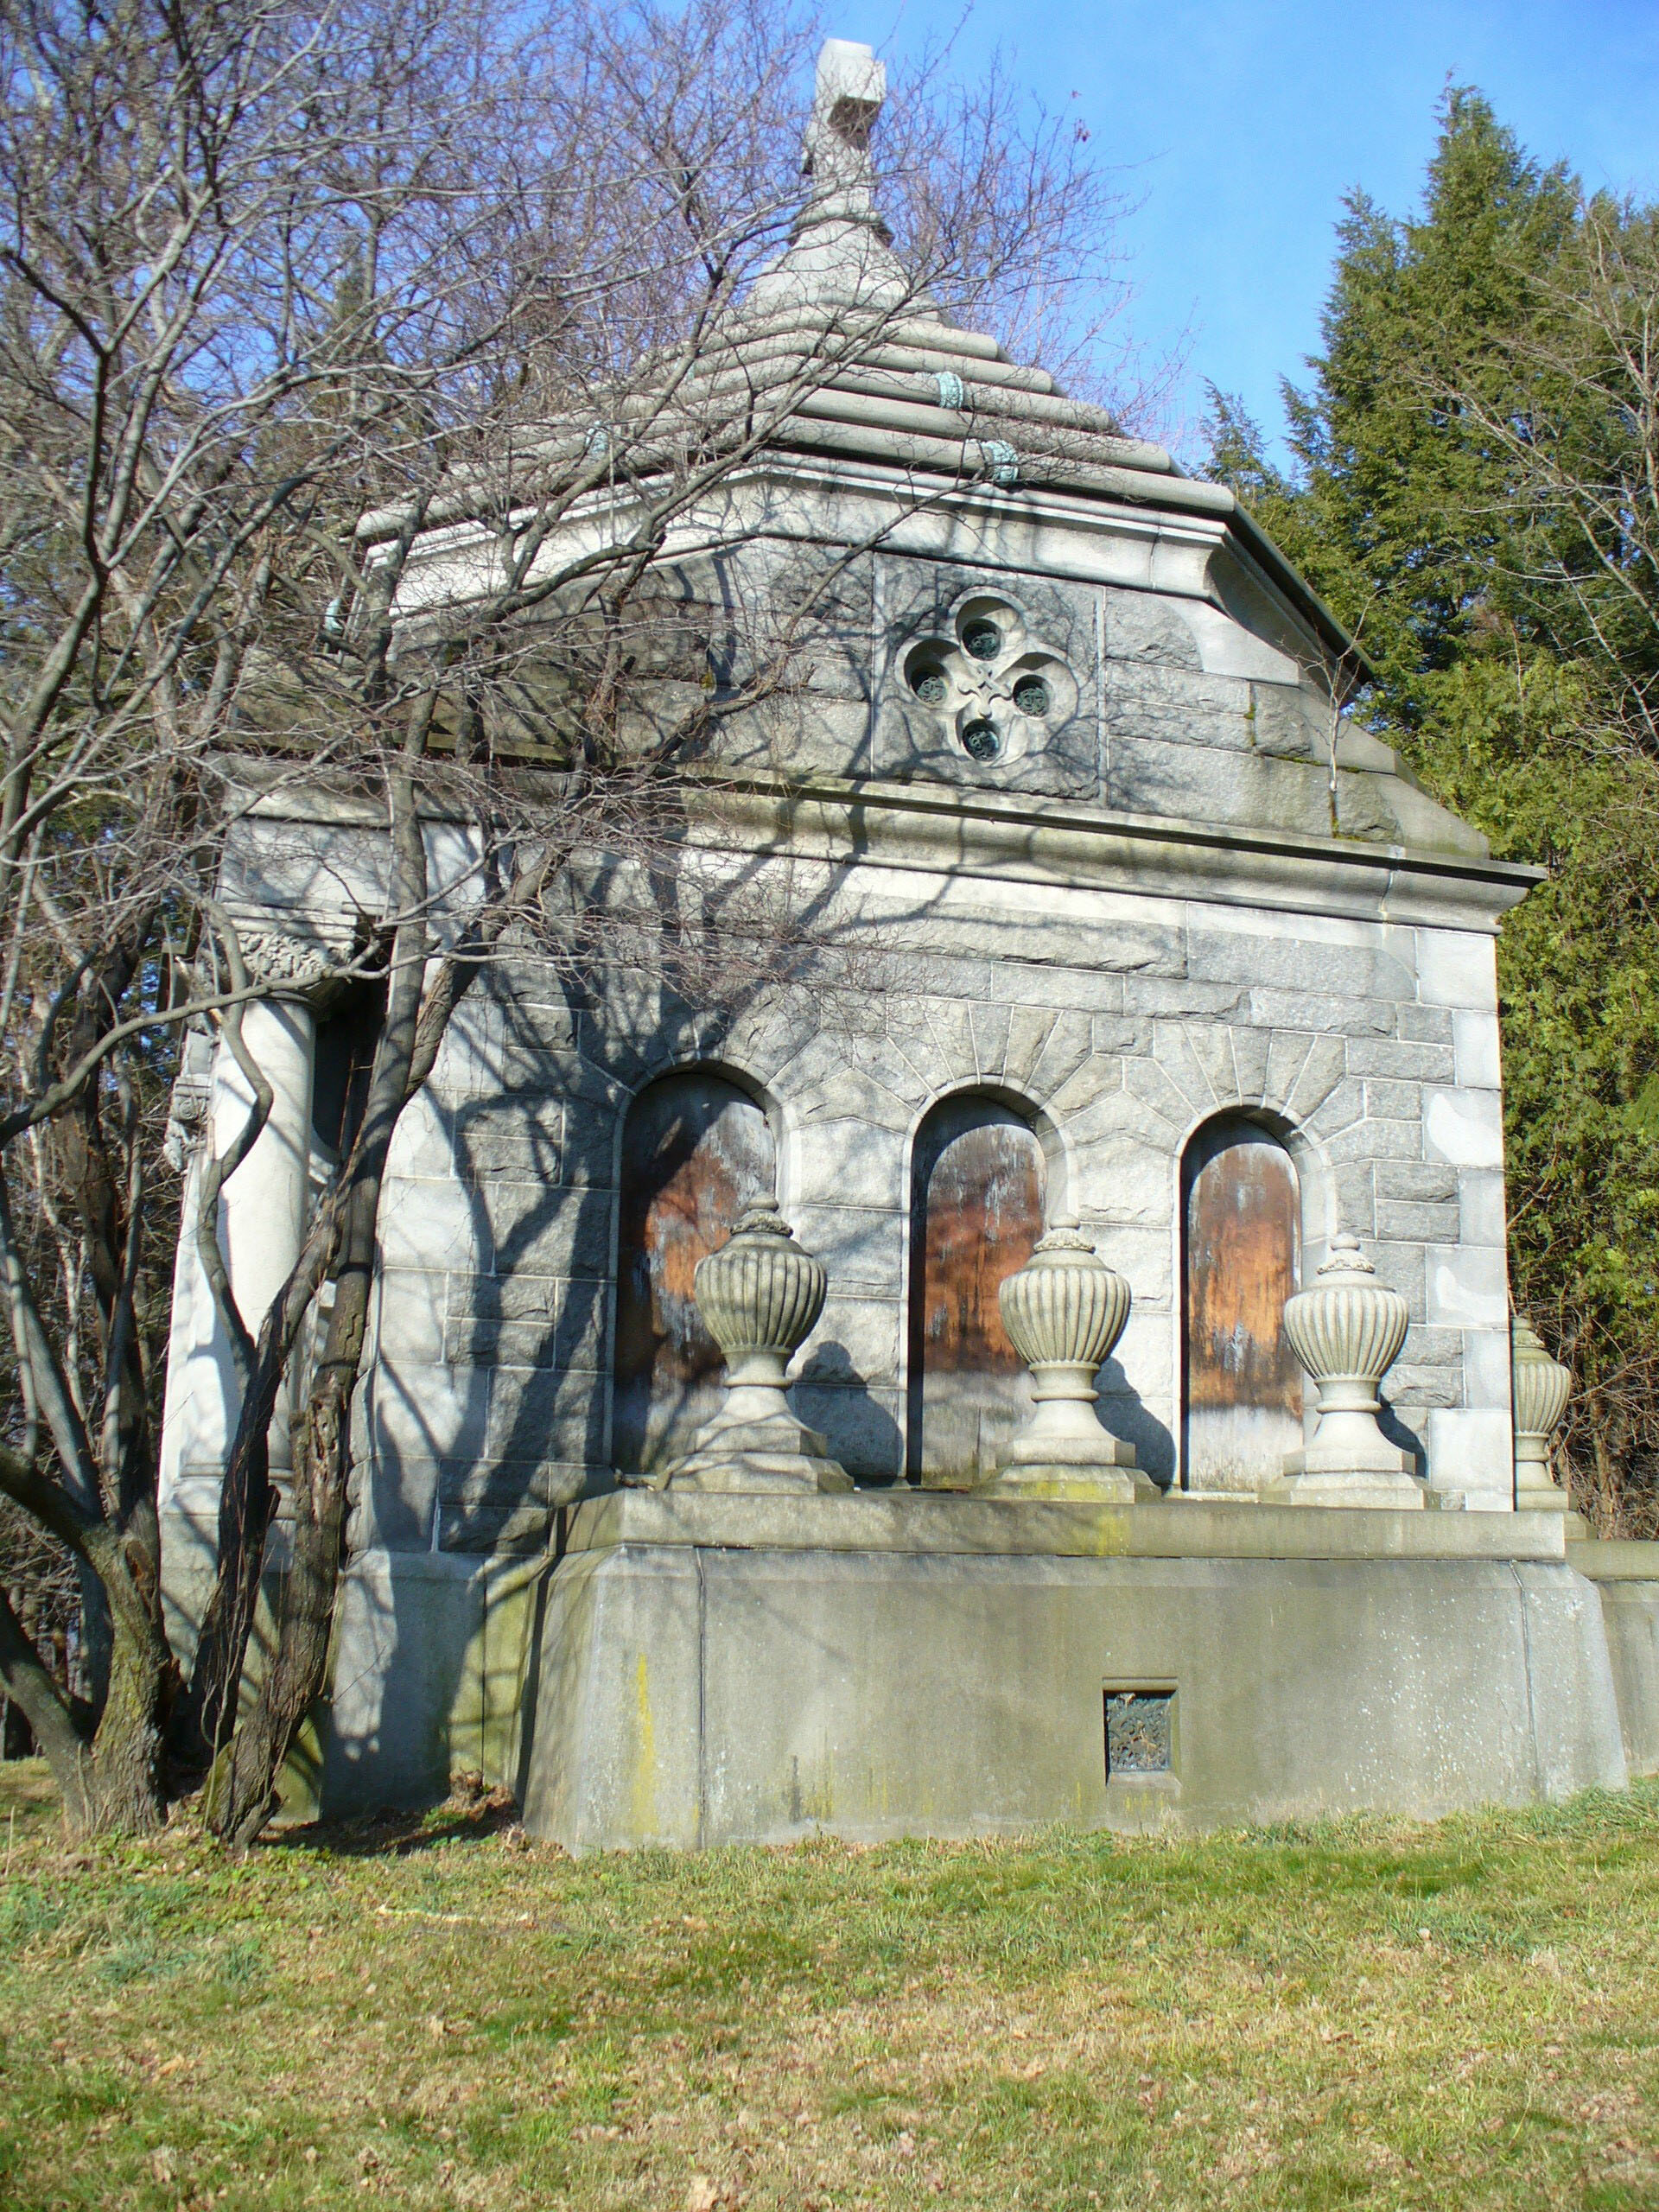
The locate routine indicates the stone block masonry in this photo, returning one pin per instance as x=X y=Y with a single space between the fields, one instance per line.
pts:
x=1082 y=889
x=1369 y=1129
x=1312 y=1663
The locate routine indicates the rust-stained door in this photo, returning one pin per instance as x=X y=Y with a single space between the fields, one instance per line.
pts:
x=976 y=1211
x=696 y=1151
x=1243 y=1399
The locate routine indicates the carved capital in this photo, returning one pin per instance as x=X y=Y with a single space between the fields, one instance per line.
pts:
x=277 y=958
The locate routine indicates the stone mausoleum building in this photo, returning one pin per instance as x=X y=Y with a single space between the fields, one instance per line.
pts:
x=979 y=1478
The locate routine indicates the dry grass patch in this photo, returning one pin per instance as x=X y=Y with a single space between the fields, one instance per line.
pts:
x=433 y=2013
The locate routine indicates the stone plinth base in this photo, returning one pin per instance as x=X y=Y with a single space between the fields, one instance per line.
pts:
x=1309 y=1479
x=1536 y=1493
x=1121 y=1484
x=1551 y=1498
x=704 y=1668
x=430 y=1661
x=718 y=1669
x=1100 y=1470
x=746 y=1457
x=1626 y=1577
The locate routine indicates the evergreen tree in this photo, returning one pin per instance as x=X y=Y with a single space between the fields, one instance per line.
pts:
x=1449 y=497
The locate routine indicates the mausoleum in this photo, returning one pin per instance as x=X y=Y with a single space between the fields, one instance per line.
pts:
x=1060 y=1367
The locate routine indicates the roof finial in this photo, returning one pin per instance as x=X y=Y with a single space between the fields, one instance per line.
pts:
x=851 y=87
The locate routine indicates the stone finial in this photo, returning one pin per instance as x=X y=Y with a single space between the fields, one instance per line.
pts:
x=850 y=88
x=1540 y=1388
x=1064 y=1311
x=839 y=262
x=761 y=1295
x=1346 y=1330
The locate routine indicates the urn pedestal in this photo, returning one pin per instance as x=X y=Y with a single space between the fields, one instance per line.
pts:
x=1540 y=1388
x=760 y=1296
x=1064 y=1311
x=1346 y=1331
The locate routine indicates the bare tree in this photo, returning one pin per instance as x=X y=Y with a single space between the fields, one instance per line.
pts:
x=287 y=292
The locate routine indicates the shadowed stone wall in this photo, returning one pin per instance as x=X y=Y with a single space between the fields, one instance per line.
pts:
x=1126 y=1021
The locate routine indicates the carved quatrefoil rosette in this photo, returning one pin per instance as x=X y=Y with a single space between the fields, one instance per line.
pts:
x=997 y=690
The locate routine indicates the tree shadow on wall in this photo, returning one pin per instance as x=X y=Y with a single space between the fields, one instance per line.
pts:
x=543 y=1061
x=477 y=1432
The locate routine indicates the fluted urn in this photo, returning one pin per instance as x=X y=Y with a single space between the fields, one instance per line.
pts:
x=1346 y=1330
x=759 y=1296
x=1064 y=1311
x=1541 y=1387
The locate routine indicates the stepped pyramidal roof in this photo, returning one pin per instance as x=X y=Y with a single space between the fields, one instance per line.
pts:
x=838 y=353
x=866 y=367
x=900 y=381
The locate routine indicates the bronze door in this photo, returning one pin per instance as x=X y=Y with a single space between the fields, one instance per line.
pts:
x=976 y=1211
x=696 y=1151
x=1243 y=1387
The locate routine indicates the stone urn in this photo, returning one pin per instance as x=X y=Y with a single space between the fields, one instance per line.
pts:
x=1346 y=1331
x=1064 y=1311
x=760 y=1296
x=1539 y=1387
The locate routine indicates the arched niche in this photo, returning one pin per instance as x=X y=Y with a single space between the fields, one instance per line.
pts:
x=697 y=1150
x=1241 y=1395
x=978 y=1179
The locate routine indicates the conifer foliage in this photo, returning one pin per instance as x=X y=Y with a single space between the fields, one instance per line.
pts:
x=1475 y=489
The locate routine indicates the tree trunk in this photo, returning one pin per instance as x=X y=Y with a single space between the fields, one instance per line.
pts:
x=243 y=1801
x=208 y=1708
x=247 y=1502
x=111 y=1780
x=305 y=1607
x=31 y=1688
x=124 y=1786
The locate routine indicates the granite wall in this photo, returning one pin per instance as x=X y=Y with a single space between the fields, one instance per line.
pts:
x=1120 y=1023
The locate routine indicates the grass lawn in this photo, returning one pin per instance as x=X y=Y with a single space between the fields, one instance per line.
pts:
x=433 y=2013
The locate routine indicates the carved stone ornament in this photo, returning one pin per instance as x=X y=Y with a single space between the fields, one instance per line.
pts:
x=998 y=690
x=186 y=1118
x=760 y=1296
x=1541 y=1387
x=281 y=959
x=1064 y=1311
x=1346 y=1331
x=192 y=1094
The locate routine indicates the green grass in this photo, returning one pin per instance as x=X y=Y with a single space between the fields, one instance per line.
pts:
x=436 y=2014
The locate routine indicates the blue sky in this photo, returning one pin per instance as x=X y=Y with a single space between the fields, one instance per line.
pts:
x=1240 y=124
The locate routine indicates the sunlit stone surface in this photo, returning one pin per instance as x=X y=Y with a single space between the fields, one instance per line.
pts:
x=1081 y=919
